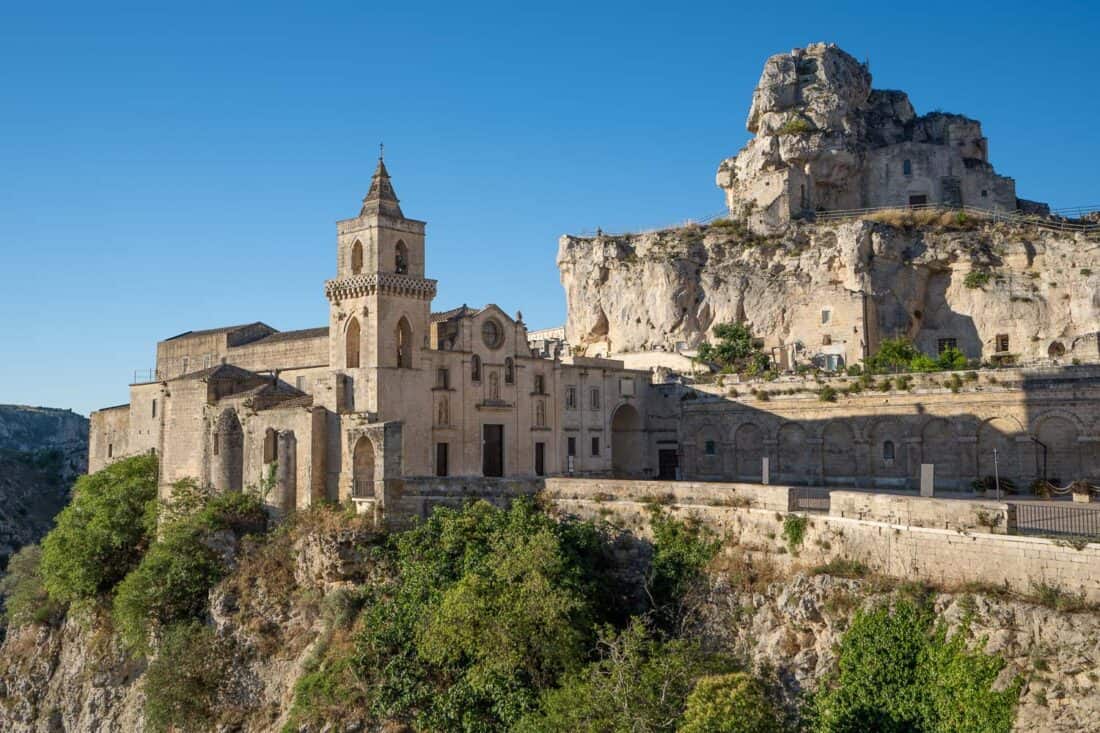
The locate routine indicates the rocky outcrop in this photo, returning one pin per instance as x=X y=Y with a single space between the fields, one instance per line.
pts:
x=42 y=451
x=825 y=140
x=838 y=288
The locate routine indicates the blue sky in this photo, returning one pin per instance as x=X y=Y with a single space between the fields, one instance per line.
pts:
x=173 y=166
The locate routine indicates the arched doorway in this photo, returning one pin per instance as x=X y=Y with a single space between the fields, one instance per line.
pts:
x=229 y=452
x=362 y=482
x=627 y=445
x=798 y=460
x=748 y=446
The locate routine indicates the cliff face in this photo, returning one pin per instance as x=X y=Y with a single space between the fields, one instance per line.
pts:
x=837 y=289
x=42 y=451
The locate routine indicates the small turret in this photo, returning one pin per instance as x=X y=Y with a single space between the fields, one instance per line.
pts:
x=381 y=199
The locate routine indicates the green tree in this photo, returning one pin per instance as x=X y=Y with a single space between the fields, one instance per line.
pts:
x=730 y=703
x=103 y=532
x=681 y=552
x=734 y=349
x=951 y=359
x=24 y=593
x=172 y=582
x=640 y=684
x=892 y=355
x=488 y=607
x=897 y=672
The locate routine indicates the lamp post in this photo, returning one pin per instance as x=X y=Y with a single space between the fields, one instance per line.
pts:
x=996 y=477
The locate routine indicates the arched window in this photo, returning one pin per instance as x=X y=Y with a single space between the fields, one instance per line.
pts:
x=401 y=258
x=475 y=368
x=404 y=344
x=352 y=345
x=509 y=371
x=356 y=257
x=888 y=450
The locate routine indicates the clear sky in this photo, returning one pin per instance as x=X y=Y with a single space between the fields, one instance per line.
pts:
x=174 y=166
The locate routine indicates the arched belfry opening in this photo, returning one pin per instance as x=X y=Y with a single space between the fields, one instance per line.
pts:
x=404 y=341
x=356 y=257
x=353 y=344
x=363 y=468
x=627 y=443
x=229 y=452
x=401 y=258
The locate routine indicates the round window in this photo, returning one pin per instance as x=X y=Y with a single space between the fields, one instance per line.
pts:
x=492 y=334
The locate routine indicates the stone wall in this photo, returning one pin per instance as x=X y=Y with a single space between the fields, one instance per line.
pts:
x=915 y=511
x=949 y=557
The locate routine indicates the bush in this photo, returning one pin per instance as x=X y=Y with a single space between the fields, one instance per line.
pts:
x=854 y=370
x=892 y=355
x=734 y=350
x=488 y=607
x=681 y=552
x=895 y=672
x=923 y=363
x=23 y=592
x=174 y=578
x=103 y=532
x=976 y=279
x=951 y=359
x=827 y=394
x=639 y=684
x=183 y=682
x=795 y=126
x=731 y=703
x=794 y=531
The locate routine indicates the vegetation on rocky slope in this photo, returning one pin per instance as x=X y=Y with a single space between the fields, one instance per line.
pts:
x=476 y=619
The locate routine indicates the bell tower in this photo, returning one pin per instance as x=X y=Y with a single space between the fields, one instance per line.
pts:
x=379 y=302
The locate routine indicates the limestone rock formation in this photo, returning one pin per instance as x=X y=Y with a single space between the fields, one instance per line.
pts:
x=834 y=290
x=42 y=451
x=825 y=140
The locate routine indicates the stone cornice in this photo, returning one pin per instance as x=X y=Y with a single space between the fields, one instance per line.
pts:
x=388 y=283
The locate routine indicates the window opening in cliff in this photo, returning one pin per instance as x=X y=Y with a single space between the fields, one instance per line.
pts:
x=1056 y=350
x=154 y=408
x=825 y=315
x=907 y=168
x=110 y=450
x=944 y=344
x=1002 y=342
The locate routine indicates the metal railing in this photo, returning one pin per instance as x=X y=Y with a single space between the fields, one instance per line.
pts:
x=143 y=376
x=362 y=488
x=809 y=499
x=1050 y=518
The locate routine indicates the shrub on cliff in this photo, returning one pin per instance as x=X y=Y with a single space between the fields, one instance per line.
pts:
x=897 y=671
x=184 y=681
x=730 y=703
x=174 y=578
x=639 y=683
x=733 y=350
x=103 y=532
x=24 y=593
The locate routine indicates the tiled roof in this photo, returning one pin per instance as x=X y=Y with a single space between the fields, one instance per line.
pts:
x=305 y=333
x=211 y=331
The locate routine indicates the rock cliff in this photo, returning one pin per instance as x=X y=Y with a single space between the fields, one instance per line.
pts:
x=836 y=289
x=42 y=451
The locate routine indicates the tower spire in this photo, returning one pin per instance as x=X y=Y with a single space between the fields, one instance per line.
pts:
x=381 y=199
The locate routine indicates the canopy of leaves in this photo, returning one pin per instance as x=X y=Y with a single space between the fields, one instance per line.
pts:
x=896 y=672
x=103 y=532
x=681 y=552
x=733 y=349
x=899 y=355
x=174 y=578
x=730 y=703
x=640 y=684
x=489 y=606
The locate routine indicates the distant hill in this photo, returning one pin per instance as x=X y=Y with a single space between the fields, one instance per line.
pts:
x=42 y=451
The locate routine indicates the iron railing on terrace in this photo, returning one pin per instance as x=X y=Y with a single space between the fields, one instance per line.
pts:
x=1063 y=220
x=362 y=488
x=1057 y=519
x=809 y=499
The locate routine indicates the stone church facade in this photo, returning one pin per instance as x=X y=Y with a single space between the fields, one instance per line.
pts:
x=389 y=398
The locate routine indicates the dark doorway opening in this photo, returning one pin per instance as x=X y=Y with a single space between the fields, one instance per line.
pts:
x=441 y=459
x=668 y=461
x=540 y=459
x=492 y=456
